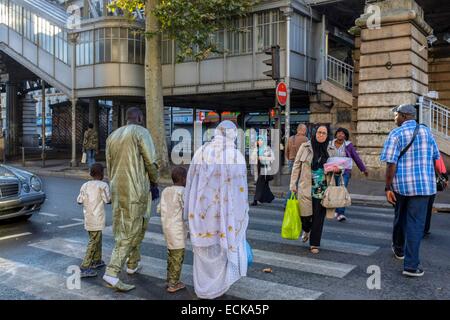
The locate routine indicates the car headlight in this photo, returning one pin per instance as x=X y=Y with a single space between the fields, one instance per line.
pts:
x=26 y=187
x=36 y=183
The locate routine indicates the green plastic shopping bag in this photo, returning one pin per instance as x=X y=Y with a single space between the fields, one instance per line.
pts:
x=292 y=225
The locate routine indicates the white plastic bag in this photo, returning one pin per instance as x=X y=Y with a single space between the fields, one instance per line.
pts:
x=84 y=157
x=341 y=163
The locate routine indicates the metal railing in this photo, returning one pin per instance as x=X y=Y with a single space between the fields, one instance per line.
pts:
x=435 y=116
x=340 y=73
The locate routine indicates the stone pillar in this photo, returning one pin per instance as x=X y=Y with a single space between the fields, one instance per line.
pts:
x=13 y=121
x=393 y=70
x=440 y=78
x=29 y=135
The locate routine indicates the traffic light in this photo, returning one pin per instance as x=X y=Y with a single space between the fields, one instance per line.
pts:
x=274 y=62
x=272 y=113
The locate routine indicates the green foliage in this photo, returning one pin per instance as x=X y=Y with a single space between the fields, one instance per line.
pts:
x=192 y=23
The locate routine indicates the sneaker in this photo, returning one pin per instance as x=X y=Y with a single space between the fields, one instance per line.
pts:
x=341 y=218
x=121 y=286
x=98 y=264
x=398 y=255
x=88 y=273
x=413 y=273
x=134 y=271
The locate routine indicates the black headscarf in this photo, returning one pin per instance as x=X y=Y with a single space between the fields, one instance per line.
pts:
x=319 y=150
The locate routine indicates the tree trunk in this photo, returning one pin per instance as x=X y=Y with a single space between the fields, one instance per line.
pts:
x=153 y=87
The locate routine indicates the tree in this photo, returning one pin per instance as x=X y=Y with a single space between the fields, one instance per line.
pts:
x=192 y=23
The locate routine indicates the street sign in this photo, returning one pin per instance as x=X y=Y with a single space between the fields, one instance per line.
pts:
x=282 y=93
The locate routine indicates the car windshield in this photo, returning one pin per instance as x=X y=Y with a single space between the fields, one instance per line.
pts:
x=5 y=172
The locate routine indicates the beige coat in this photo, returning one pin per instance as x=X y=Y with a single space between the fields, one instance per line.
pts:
x=301 y=172
x=171 y=210
x=93 y=195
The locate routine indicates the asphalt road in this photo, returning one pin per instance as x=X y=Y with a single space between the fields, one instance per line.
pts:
x=36 y=254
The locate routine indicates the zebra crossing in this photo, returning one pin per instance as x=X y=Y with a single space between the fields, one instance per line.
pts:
x=360 y=237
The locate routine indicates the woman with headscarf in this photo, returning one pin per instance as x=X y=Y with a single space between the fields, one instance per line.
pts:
x=309 y=181
x=263 y=157
x=216 y=207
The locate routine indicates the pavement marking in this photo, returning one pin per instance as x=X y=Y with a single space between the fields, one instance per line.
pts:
x=245 y=288
x=293 y=262
x=331 y=245
x=49 y=285
x=15 y=236
x=81 y=221
x=48 y=214
x=327 y=228
x=352 y=211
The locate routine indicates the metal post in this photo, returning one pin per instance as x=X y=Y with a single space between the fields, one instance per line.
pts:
x=277 y=180
x=287 y=126
x=73 y=40
x=43 y=122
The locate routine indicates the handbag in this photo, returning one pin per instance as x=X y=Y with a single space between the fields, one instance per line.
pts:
x=292 y=225
x=336 y=196
x=84 y=157
x=441 y=182
x=249 y=253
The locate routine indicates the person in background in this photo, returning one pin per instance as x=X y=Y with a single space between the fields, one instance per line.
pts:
x=440 y=169
x=171 y=209
x=345 y=148
x=90 y=144
x=93 y=196
x=264 y=157
x=308 y=179
x=410 y=152
x=294 y=144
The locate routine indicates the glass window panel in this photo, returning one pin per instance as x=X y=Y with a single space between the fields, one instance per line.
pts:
x=124 y=50
x=115 y=57
x=107 y=50
x=123 y=33
x=107 y=32
x=115 y=33
x=131 y=55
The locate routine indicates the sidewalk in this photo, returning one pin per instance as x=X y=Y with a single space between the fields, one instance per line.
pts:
x=363 y=191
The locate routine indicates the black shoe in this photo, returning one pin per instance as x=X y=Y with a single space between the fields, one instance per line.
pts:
x=413 y=273
x=426 y=234
x=254 y=203
x=397 y=254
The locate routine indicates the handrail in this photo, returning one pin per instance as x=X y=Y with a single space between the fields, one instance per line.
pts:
x=340 y=73
x=435 y=116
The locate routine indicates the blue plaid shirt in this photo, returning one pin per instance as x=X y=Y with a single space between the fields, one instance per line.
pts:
x=415 y=174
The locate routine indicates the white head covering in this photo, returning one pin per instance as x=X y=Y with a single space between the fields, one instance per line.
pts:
x=216 y=196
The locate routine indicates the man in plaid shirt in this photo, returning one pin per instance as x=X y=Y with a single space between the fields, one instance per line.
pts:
x=410 y=181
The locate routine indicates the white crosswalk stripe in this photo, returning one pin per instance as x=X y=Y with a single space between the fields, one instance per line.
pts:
x=359 y=237
x=293 y=262
x=333 y=245
x=246 y=288
x=48 y=285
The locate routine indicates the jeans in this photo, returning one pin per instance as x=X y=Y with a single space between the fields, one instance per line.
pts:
x=346 y=176
x=429 y=213
x=90 y=157
x=409 y=224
